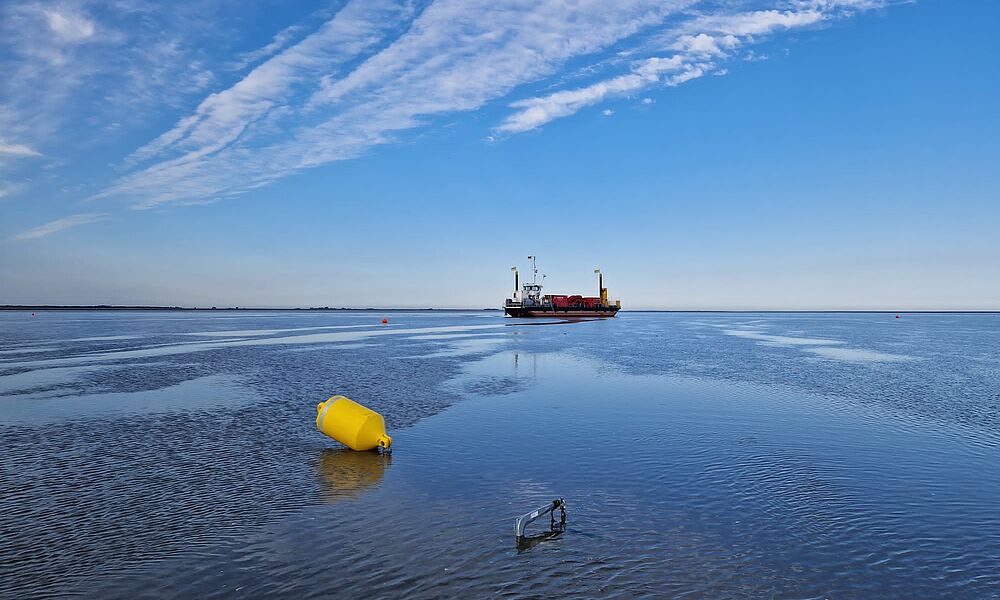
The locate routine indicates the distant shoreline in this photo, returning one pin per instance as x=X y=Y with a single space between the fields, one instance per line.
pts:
x=109 y=307
x=232 y=308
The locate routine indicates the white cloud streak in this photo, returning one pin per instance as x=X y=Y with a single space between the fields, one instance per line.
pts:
x=59 y=225
x=698 y=46
x=68 y=26
x=7 y=149
x=8 y=189
x=222 y=117
x=279 y=42
x=71 y=67
x=323 y=92
x=454 y=56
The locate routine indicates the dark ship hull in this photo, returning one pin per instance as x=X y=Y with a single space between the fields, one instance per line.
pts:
x=552 y=311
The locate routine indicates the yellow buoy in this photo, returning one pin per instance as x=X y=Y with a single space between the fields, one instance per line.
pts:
x=351 y=424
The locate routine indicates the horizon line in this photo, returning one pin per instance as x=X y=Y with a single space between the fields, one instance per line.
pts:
x=141 y=307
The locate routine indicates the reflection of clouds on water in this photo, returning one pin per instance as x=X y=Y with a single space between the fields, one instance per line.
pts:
x=450 y=336
x=707 y=324
x=856 y=355
x=823 y=347
x=315 y=347
x=345 y=474
x=44 y=378
x=262 y=332
x=464 y=347
x=782 y=340
x=201 y=393
x=104 y=338
x=188 y=347
x=30 y=350
x=60 y=376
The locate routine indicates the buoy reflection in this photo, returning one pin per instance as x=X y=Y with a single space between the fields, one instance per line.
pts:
x=346 y=474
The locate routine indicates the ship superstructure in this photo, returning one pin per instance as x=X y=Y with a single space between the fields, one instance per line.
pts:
x=528 y=300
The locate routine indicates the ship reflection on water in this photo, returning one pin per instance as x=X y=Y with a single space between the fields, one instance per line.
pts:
x=345 y=474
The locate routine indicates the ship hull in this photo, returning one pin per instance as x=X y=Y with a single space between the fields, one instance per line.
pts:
x=548 y=311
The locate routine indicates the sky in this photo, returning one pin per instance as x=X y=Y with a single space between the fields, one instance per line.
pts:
x=705 y=154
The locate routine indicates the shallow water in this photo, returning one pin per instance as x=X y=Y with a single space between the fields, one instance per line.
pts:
x=700 y=455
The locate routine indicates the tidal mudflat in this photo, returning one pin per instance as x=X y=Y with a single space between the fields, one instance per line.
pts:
x=701 y=454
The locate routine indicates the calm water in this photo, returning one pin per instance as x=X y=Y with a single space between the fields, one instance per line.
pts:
x=700 y=455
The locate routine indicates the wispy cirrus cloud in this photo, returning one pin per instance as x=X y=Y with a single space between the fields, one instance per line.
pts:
x=7 y=189
x=59 y=225
x=452 y=56
x=347 y=78
x=279 y=42
x=8 y=149
x=71 y=67
x=692 y=48
x=223 y=117
x=45 y=53
x=68 y=25
x=376 y=69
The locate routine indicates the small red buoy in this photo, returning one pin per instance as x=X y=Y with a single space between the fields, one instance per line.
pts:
x=897 y=316
x=385 y=321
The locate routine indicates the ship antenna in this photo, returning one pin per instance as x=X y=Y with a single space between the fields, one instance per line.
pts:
x=534 y=270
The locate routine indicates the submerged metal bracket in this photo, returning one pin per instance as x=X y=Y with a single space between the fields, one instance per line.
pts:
x=549 y=509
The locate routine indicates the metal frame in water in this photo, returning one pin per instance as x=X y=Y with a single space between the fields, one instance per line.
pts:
x=523 y=542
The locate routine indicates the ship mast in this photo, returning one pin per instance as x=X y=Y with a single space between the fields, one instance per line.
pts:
x=601 y=292
x=534 y=270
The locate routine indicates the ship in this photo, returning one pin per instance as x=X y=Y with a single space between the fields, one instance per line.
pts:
x=528 y=300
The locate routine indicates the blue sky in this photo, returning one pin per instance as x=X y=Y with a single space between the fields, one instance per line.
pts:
x=726 y=154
